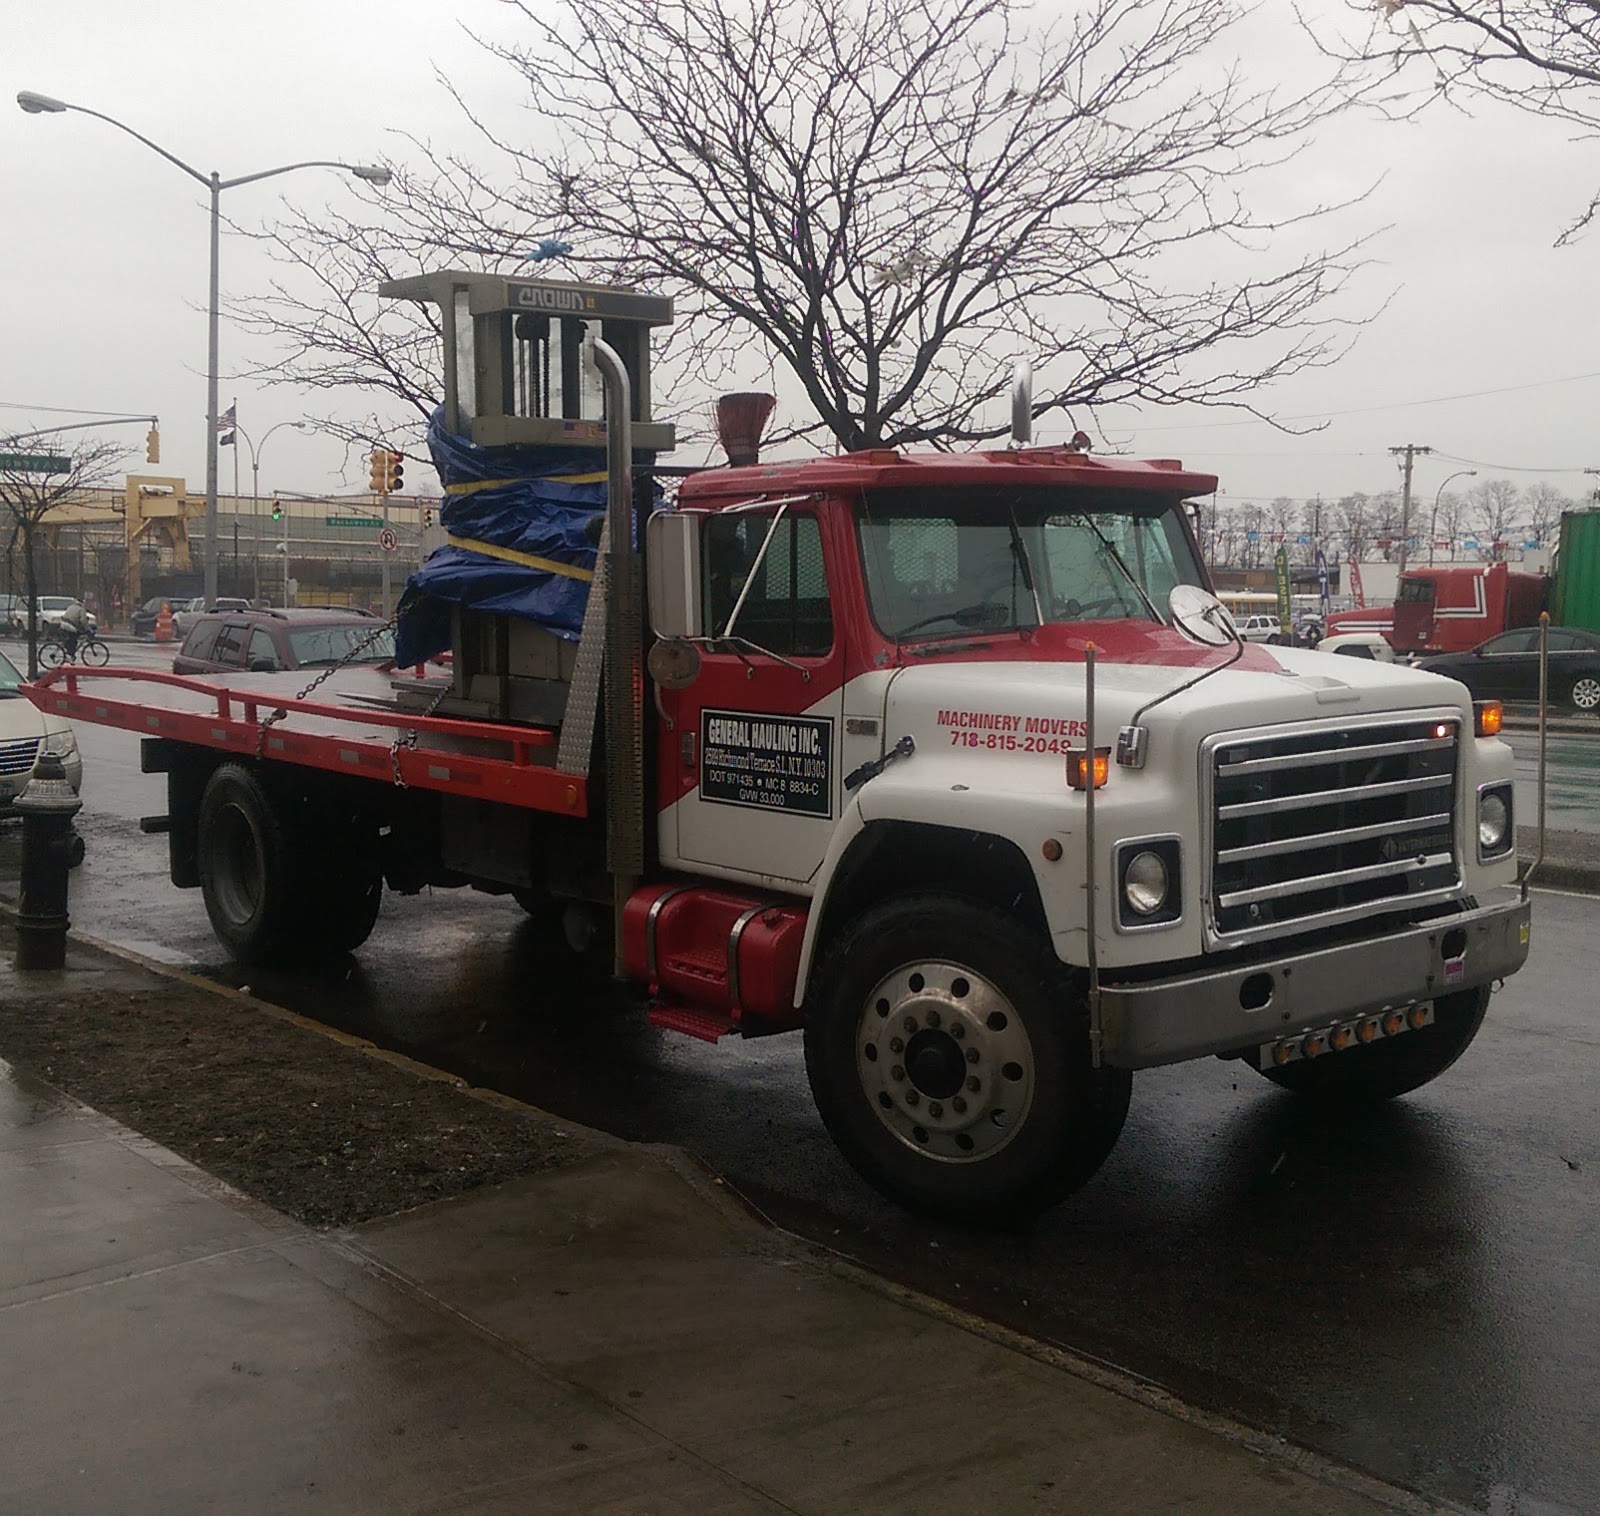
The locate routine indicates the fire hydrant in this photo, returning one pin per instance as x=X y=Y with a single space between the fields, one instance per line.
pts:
x=47 y=807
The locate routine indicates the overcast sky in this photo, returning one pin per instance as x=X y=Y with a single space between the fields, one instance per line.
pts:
x=1487 y=350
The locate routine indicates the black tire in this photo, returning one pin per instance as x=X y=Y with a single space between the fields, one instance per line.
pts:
x=1395 y=1065
x=982 y=1036
x=95 y=653
x=52 y=654
x=247 y=875
x=284 y=883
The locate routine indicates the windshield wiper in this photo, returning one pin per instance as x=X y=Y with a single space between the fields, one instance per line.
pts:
x=1127 y=573
x=1019 y=551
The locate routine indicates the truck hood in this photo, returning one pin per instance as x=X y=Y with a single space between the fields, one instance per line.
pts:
x=1037 y=708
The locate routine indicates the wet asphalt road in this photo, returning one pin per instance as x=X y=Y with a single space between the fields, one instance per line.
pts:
x=1415 y=1293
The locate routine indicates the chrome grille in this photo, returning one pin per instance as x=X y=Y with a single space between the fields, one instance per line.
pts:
x=1312 y=828
x=18 y=755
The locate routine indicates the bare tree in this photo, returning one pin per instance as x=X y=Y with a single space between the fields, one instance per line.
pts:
x=1448 y=521
x=889 y=201
x=1355 y=516
x=27 y=496
x=1541 y=56
x=1494 y=504
x=1543 y=504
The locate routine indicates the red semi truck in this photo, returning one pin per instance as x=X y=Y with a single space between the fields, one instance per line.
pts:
x=1449 y=609
x=951 y=763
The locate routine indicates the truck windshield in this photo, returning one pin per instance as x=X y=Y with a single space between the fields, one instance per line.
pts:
x=975 y=561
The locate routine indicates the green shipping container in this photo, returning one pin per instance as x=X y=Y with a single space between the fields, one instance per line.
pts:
x=1576 y=601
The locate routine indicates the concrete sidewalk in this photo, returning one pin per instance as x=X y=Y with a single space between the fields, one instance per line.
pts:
x=613 y=1334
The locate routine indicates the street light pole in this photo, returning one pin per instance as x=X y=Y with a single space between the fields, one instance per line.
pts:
x=255 y=492
x=1433 y=520
x=36 y=104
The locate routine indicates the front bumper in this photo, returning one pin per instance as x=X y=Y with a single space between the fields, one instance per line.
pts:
x=1249 y=1005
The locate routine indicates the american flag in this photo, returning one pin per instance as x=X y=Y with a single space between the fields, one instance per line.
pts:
x=226 y=423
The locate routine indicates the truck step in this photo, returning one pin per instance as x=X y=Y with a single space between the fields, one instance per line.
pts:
x=689 y=1021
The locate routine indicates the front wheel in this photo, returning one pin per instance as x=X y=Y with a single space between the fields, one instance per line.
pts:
x=1395 y=1065
x=95 y=653
x=948 y=1054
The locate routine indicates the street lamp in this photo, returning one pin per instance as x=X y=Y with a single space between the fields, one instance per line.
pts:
x=35 y=104
x=255 y=491
x=1433 y=520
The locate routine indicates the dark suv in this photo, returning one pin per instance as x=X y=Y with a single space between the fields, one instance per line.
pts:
x=265 y=641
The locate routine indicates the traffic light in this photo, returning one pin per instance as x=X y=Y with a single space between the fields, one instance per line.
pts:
x=277 y=511
x=427 y=517
x=152 y=446
x=378 y=471
x=397 y=477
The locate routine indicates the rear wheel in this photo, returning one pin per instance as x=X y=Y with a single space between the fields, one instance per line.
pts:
x=52 y=654
x=284 y=882
x=1585 y=694
x=948 y=1053
x=246 y=874
x=1395 y=1065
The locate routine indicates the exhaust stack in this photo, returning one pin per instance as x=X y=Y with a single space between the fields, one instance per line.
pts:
x=741 y=419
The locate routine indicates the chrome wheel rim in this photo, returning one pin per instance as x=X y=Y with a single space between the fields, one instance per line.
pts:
x=945 y=1061
x=1586 y=693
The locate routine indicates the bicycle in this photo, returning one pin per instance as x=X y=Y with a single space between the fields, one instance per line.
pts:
x=91 y=652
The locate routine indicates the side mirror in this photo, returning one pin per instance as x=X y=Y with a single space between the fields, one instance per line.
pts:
x=672 y=552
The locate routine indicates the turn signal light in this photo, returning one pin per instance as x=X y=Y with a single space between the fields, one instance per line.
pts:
x=1487 y=716
x=1078 y=767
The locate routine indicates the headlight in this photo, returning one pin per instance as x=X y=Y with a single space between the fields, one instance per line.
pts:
x=1494 y=822
x=61 y=744
x=1145 y=883
x=1149 y=876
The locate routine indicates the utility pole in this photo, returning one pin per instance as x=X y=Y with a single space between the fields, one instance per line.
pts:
x=1410 y=451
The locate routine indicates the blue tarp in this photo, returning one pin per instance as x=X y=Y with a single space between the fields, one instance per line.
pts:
x=543 y=502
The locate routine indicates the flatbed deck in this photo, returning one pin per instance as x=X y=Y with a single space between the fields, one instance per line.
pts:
x=354 y=725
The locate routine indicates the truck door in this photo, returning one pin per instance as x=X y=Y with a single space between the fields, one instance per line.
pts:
x=752 y=748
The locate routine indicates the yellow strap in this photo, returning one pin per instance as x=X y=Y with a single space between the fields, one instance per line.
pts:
x=473 y=486
x=527 y=560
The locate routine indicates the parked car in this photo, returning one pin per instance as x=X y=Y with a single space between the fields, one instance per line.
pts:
x=25 y=734
x=265 y=641
x=1507 y=667
x=1372 y=646
x=53 y=607
x=185 y=610
x=13 y=615
x=1259 y=628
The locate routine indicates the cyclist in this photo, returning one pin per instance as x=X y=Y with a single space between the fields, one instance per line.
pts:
x=74 y=623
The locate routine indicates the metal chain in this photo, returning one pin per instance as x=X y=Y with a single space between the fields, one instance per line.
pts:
x=408 y=738
x=274 y=717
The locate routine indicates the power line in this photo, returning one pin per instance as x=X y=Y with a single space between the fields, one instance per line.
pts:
x=56 y=410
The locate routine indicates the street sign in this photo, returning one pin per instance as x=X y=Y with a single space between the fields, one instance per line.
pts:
x=388 y=539
x=372 y=521
x=35 y=463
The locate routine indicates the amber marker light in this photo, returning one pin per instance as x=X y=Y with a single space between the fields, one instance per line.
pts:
x=1078 y=768
x=1418 y=1018
x=1370 y=1031
x=1394 y=1022
x=1341 y=1038
x=1487 y=717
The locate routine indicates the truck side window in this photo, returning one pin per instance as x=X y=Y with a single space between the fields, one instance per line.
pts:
x=787 y=609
